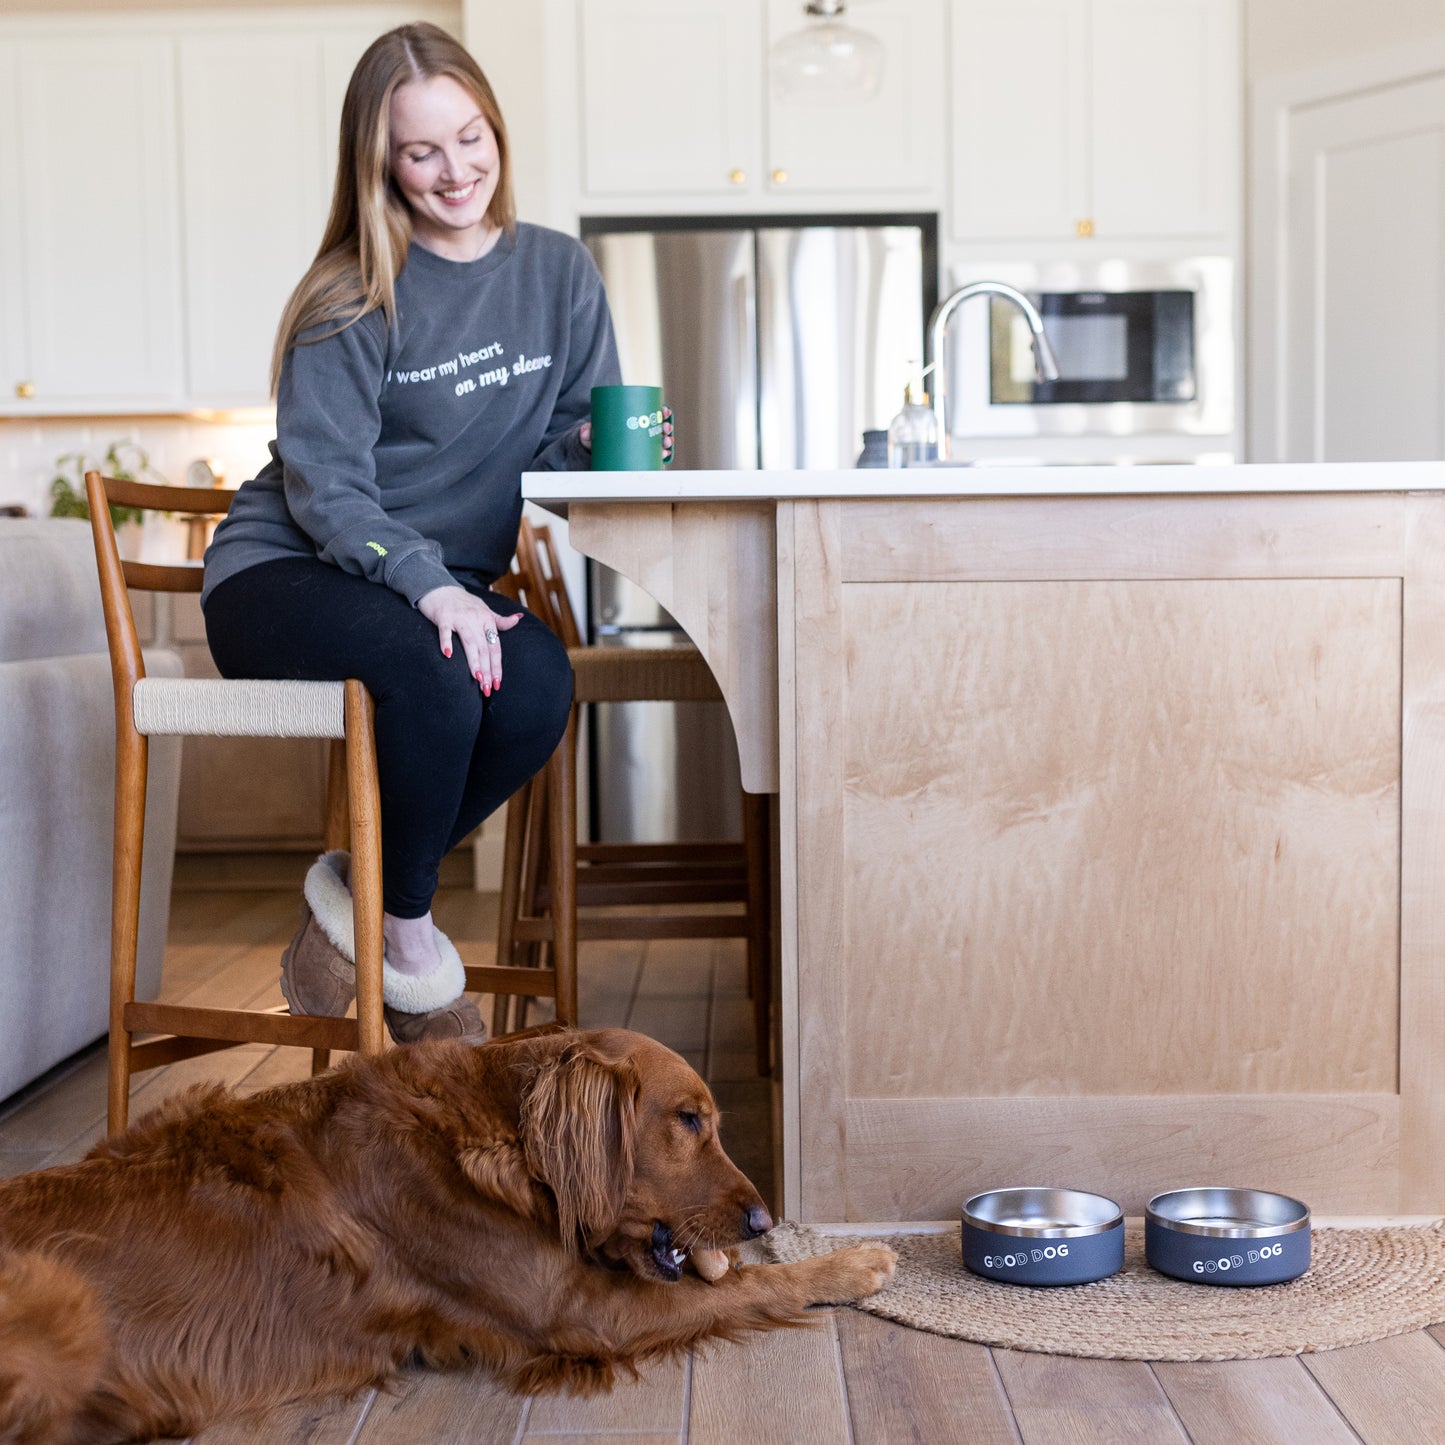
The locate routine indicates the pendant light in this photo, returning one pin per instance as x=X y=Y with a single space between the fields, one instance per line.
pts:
x=827 y=62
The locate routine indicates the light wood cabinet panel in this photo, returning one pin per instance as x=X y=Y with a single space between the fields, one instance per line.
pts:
x=1110 y=831
x=97 y=203
x=670 y=96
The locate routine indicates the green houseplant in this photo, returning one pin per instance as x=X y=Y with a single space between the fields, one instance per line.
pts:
x=125 y=459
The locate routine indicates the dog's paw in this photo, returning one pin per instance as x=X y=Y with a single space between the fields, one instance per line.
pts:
x=852 y=1274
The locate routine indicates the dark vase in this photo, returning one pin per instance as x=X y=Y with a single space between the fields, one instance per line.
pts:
x=875 y=449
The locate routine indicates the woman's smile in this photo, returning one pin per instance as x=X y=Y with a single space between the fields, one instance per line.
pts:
x=445 y=162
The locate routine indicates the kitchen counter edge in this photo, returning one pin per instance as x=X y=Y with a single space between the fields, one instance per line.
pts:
x=553 y=490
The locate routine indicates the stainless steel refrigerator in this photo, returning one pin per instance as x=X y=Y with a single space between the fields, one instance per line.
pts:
x=777 y=344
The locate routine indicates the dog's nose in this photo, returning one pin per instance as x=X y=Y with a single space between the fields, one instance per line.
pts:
x=756 y=1221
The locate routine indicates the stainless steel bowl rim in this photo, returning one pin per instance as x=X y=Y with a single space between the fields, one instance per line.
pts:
x=1297 y=1213
x=1043 y=1231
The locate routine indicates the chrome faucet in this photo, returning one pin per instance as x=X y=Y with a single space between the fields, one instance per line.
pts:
x=1046 y=368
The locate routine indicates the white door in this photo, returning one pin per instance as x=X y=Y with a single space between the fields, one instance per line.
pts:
x=97 y=198
x=1363 y=334
x=670 y=96
x=256 y=182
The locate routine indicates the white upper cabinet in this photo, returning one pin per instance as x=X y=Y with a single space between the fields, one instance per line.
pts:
x=677 y=107
x=164 y=182
x=260 y=114
x=1164 y=115
x=256 y=182
x=670 y=96
x=884 y=143
x=90 y=226
x=1115 y=119
x=14 y=338
x=1020 y=117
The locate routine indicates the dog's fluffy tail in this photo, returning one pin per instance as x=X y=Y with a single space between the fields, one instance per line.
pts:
x=53 y=1346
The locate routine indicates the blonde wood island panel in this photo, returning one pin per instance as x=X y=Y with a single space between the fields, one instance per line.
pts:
x=1112 y=828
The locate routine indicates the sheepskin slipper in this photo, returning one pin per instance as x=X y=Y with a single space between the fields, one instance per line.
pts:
x=318 y=969
x=459 y=1020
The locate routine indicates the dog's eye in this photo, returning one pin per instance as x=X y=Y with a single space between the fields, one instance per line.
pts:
x=691 y=1119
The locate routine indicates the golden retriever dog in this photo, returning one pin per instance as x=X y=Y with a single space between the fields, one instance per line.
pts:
x=529 y=1206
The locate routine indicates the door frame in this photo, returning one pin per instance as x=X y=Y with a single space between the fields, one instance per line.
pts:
x=1274 y=102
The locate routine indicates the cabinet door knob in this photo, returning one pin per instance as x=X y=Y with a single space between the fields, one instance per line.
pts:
x=1084 y=228
x=737 y=177
x=25 y=390
x=780 y=178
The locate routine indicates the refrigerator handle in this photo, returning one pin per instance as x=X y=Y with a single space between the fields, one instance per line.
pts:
x=745 y=342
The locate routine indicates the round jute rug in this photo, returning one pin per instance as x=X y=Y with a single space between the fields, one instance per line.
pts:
x=1362 y=1284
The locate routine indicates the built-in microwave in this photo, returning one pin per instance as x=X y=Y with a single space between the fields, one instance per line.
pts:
x=1141 y=346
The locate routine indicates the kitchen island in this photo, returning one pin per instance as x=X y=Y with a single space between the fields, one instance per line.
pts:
x=1111 y=816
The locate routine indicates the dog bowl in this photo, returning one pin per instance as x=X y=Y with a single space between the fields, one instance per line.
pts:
x=1227 y=1236
x=1042 y=1236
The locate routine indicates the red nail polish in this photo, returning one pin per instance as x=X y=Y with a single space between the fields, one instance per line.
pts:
x=446 y=652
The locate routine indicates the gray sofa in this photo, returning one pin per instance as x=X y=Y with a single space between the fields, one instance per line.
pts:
x=57 y=755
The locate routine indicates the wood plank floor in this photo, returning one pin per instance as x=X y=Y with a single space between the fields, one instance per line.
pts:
x=850 y=1379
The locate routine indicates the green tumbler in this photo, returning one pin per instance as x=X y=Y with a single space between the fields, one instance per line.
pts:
x=626 y=428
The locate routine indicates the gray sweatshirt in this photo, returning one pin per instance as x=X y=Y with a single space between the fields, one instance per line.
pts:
x=399 y=455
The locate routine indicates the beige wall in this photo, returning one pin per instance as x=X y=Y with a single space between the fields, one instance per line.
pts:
x=1285 y=35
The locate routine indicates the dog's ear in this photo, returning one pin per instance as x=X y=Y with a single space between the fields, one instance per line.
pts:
x=577 y=1128
x=500 y=1172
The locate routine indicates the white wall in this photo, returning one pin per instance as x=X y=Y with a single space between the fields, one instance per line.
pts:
x=1285 y=35
x=29 y=449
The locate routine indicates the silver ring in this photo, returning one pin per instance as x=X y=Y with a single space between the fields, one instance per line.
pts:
x=490 y=634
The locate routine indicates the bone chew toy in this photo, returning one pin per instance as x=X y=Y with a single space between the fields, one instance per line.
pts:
x=711 y=1264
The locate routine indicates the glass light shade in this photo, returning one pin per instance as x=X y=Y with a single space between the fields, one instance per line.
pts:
x=827 y=63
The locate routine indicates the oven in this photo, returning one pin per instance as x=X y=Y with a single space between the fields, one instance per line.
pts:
x=1143 y=348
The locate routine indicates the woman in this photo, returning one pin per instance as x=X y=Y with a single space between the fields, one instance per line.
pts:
x=435 y=350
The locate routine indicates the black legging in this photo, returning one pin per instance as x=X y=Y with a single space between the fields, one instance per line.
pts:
x=447 y=756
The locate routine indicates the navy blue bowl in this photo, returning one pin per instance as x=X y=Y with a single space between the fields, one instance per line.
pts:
x=1043 y=1236
x=1227 y=1236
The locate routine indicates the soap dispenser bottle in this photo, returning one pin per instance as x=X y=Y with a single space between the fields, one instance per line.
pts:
x=913 y=433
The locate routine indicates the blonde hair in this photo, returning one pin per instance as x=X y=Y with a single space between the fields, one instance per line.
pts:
x=363 y=248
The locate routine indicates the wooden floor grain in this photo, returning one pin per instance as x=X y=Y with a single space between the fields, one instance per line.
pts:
x=847 y=1378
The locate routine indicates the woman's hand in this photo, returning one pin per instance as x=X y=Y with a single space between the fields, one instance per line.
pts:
x=586 y=434
x=455 y=612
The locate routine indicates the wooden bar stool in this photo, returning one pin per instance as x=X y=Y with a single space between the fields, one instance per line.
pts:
x=546 y=880
x=147 y=707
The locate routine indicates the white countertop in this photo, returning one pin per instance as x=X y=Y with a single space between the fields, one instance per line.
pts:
x=554 y=489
